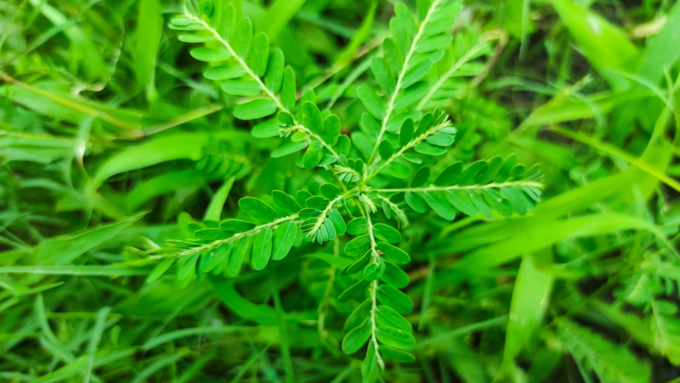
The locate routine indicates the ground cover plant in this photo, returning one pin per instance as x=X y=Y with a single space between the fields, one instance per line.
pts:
x=339 y=191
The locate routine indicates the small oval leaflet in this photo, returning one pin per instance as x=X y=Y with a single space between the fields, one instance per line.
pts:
x=224 y=72
x=385 y=150
x=396 y=355
x=358 y=265
x=188 y=268
x=236 y=225
x=399 y=170
x=338 y=222
x=396 y=338
x=356 y=338
x=267 y=129
x=421 y=177
x=241 y=248
x=386 y=233
x=262 y=249
x=289 y=148
x=216 y=257
x=255 y=109
x=359 y=315
x=284 y=238
x=209 y=55
x=395 y=299
x=285 y=202
x=387 y=316
x=159 y=270
x=374 y=271
x=394 y=276
x=329 y=191
x=392 y=253
x=460 y=199
x=257 y=209
x=353 y=291
x=357 y=246
x=210 y=234
x=357 y=226
x=415 y=202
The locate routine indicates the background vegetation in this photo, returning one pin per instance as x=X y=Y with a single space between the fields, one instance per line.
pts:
x=112 y=139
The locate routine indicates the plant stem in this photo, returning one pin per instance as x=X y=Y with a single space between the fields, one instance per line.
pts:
x=459 y=187
x=316 y=136
x=410 y=145
x=374 y=290
x=219 y=242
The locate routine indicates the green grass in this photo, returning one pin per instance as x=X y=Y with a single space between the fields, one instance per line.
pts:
x=339 y=191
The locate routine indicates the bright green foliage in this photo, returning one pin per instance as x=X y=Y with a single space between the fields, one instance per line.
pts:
x=339 y=191
x=404 y=141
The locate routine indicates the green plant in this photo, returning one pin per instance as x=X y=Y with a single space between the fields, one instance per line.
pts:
x=370 y=169
x=339 y=191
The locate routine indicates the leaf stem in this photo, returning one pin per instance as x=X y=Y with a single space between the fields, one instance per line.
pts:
x=236 y=236
x=405 y=67
x=322 y=216
x=410 y=145
x=460 y=187
x=374 y=289
x=397 y=211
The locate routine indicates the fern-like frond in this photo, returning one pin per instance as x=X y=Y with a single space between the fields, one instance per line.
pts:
x=611 y=362
x=245 y=67
x=482 y=187
x=408 y=57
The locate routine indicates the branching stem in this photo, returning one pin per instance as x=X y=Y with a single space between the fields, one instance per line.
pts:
x=308 y=132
